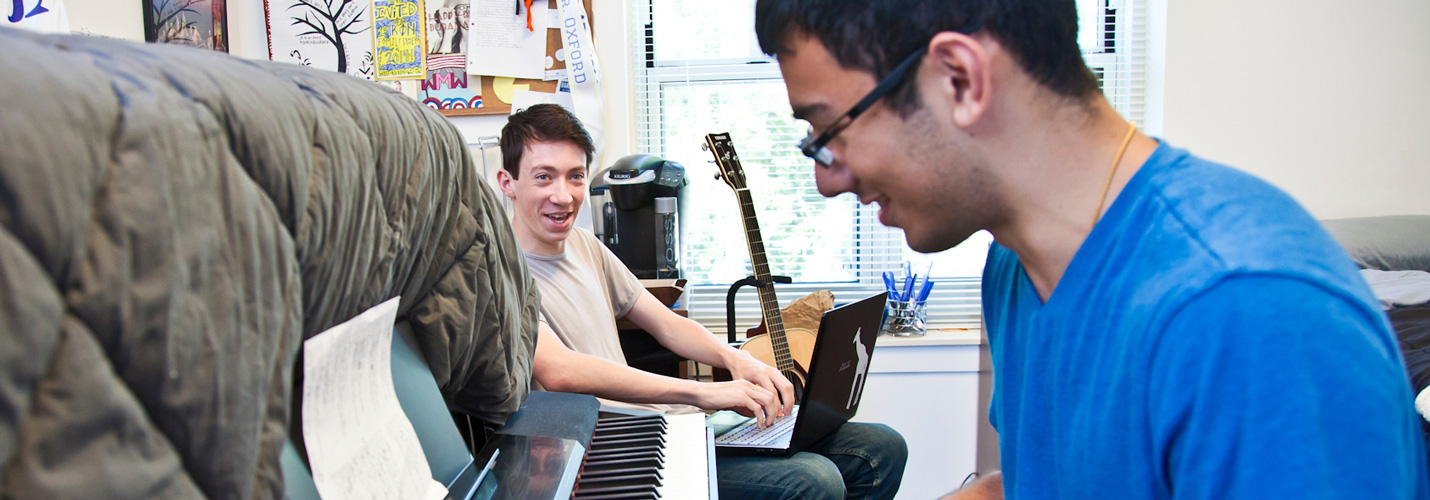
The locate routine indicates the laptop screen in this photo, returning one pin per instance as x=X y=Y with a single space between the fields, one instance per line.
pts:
x=839 y=367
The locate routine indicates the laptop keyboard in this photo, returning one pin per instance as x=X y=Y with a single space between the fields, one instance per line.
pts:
x=750 y=434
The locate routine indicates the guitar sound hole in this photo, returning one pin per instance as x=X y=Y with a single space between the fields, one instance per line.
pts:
x=798 y=385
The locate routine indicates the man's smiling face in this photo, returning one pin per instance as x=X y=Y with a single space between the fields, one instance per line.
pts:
x=546 y=195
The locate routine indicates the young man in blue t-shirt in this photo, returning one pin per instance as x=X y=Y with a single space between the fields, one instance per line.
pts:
x=1161 y=326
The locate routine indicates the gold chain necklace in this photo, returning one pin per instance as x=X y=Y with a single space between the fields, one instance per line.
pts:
x=1131 y=130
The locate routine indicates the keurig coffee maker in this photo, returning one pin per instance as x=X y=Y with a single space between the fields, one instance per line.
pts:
x=635 y=210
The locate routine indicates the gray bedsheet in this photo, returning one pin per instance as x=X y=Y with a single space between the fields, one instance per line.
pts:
x=173 y=222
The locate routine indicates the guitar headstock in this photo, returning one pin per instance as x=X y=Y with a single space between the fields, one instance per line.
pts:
x=726 y=159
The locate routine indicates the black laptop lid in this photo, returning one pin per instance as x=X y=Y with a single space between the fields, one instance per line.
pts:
x=838 y=368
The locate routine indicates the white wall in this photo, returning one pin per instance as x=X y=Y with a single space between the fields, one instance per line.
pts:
x=1329 y=100
x=249 y=39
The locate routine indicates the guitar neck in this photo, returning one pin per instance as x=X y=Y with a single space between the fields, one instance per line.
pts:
x=769 y=305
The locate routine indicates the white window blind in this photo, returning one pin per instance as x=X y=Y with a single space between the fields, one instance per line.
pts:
x=698 y=70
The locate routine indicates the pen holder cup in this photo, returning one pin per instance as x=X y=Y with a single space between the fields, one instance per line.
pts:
x=904 y=318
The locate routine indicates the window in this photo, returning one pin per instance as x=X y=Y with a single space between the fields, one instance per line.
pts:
x=699 y=70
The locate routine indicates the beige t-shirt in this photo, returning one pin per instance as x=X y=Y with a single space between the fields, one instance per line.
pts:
x=583 y=291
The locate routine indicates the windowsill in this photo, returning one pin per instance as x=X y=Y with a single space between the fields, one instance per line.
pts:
x=936 y=337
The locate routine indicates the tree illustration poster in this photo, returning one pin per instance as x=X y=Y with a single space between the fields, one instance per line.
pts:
x=399 y=38
x=328 y=34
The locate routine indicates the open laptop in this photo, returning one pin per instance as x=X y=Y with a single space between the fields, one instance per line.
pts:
x=835 y=385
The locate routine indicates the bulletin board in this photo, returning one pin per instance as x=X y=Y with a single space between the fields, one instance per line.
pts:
x=491 y=104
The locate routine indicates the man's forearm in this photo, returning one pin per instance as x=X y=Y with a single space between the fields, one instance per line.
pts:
x=599 y=377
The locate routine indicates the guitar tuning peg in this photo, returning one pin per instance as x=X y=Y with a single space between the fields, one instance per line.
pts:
x=704 y=146
x=717 y=177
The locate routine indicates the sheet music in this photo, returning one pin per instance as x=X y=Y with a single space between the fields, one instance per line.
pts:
x=360 y=443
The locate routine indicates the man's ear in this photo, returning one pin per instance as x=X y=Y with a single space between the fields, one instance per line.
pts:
x=963 y=70
x=506 y=182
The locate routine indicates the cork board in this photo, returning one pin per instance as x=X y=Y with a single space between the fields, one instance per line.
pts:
x=493 y=105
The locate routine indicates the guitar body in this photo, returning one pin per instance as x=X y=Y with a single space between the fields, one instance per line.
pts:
x=801 y=349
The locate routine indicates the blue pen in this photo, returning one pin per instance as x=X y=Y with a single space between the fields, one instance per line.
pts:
x=908 y=287
x=925 y=289
x=889 y=285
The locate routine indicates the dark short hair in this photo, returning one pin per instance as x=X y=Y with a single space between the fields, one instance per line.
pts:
x=541 y=123
x=874 y=36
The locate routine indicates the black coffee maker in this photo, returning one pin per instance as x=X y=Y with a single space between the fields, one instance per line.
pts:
x=636 y=206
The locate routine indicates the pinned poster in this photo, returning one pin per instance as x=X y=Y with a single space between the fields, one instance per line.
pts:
x=331 y=35
x=399 y=39
x=446 y=86
x=195 y=23
x=448 y=22
x=43 y=16
x=500 y=43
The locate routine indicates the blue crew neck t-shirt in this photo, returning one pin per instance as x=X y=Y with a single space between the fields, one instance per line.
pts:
x=1209 y=340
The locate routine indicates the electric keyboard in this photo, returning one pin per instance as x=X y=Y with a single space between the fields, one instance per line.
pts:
x=556 y=447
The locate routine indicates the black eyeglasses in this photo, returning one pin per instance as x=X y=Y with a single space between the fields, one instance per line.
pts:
x=814 y=147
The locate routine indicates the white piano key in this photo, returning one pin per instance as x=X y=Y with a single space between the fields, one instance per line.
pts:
x=687 y=470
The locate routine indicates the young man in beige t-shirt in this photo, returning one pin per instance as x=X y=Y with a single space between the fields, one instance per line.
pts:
x=546 y=153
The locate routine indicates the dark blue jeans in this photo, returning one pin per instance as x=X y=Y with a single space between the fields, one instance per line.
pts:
x=857 y=461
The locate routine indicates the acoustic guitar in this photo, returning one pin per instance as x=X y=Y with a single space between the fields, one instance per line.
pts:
x=787 y=350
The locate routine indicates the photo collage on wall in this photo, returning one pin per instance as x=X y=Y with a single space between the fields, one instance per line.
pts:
x=423 y=48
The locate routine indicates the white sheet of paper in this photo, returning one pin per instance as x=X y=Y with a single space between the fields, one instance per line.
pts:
x=498 y=43
x=360 y=443
x=522 y=99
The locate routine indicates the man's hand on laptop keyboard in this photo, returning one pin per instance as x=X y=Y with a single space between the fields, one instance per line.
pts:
x=740 y=396
x=744 y=366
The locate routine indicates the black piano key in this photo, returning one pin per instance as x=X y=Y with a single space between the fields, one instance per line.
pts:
x=640 y=491
x=653 y=462
x=630 y=429
x=619 y=470
x=642 y=495
x=620 y=480
x=629 y=418
x=596 y=474
x=626 y=442
x=650 y=451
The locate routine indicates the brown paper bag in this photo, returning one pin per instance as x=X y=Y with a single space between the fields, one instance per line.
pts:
x=805 y=311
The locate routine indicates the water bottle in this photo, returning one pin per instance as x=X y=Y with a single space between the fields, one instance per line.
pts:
x=667 y=239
